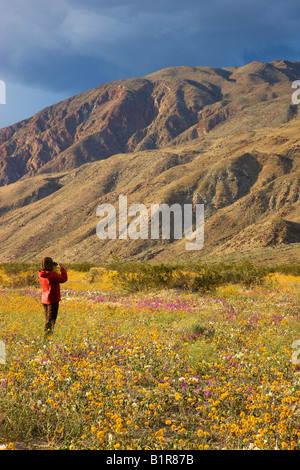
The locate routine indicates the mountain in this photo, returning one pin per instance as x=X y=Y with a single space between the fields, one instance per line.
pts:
x=227 y=138
x=168 y=107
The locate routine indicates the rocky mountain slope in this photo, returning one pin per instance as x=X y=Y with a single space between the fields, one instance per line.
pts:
x=249 y=185
x=227 y=138
x=168 y=107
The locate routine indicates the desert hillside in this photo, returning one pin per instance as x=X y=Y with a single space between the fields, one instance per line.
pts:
x=227 y=138
x=172 y=106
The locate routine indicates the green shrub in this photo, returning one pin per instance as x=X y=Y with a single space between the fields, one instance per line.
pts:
x=25 y=279
x=14 y=268
x=93 y=275
x=293 y=269
x=245 y=273
x=84 y=266
x=140 y=276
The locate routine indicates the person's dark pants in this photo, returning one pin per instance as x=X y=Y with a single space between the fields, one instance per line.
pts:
x=50 y=317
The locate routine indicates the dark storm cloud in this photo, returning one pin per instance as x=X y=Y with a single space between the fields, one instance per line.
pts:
x=60 y=71
x=73 y=45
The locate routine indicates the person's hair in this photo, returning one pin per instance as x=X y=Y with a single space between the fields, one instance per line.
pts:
x=47 y=264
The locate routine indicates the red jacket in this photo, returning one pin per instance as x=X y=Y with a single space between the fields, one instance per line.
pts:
x=50 y=281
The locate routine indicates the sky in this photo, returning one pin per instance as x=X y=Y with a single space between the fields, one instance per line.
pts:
x=51 y=50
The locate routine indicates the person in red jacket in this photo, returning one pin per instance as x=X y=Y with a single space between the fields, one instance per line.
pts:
x=50 y=282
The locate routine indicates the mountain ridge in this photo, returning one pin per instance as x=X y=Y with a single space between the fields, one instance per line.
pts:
x=228 y=140
x=241 y=207
x=171 y=106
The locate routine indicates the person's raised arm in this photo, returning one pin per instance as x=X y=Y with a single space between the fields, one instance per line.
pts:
x=62 y=277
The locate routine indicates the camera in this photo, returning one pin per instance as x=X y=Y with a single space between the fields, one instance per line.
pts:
x=54 y=263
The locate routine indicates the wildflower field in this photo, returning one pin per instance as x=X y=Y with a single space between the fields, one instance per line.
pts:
x=159 y=369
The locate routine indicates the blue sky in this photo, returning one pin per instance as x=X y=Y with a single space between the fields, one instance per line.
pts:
x=52 y=50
